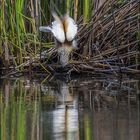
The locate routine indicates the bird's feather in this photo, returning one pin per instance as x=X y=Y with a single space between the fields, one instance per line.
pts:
x=70 y=27
x=64 y=29
x=57 y=28
x=45 y=29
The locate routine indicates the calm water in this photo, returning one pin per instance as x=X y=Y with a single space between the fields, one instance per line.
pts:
x=101 y=108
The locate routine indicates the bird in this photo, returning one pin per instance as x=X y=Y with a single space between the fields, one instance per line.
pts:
x=64 y=30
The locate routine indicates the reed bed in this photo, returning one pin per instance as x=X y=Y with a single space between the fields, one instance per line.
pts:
x=110 y=41
x=108 y=36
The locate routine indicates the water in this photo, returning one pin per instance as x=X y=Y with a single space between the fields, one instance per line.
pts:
x=96 y=108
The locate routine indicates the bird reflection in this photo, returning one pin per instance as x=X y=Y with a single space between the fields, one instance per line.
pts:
x=65 y=117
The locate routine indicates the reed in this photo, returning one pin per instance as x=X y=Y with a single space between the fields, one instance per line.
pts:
x=86 y=5
x=19 y=22
x=21 y=42
x=75 y=9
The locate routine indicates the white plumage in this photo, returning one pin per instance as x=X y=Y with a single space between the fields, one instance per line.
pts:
x=70 y=28
x=64 y=30
x=56 y=28
x=45 y=29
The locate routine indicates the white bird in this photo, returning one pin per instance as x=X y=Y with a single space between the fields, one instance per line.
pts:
x=64 y=30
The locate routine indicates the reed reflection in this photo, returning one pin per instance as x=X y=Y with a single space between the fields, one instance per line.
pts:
x=81 y=109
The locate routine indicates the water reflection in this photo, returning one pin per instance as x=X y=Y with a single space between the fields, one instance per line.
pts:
x=79 y=109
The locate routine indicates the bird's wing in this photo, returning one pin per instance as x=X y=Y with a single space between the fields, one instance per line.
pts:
x=57 y=28
x=45 y=29
x=70 y=27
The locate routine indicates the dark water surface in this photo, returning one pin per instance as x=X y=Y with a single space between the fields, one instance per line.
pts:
x=95 y=108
